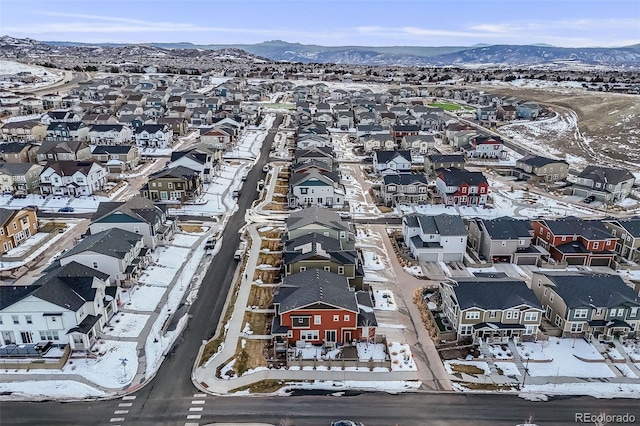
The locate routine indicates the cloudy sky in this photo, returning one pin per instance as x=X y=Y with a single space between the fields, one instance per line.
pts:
x=570 y=23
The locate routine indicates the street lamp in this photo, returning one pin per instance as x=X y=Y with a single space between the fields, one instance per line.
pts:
x=526 y=370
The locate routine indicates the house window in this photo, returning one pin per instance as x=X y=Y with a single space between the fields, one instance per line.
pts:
x=340 y=270
x=504 y=244
x=304 y=191
x=466 y=330
x=15 y=225
x=634 y=312
x=551 y=297
x=170 y=185
x=28 y=319
x=303 y=268
x=531 y=316
x=317 y=319
x=347 y=317
x=540 y=283
x=336 y=318
x=327 y=268
x=472 y=315
x=580 y=313
x=15 y=319
x=492 y=314
x=529 y=329
x=290 y=334
x=309 y=335
x=559 y=321
x=95 y=265
x=49 y=335
x=576 y=327
x=599 y=311
x=1 y=320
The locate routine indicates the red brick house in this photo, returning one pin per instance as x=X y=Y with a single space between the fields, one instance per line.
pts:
x=400 y=131
x=576 y=241
x=319 y=307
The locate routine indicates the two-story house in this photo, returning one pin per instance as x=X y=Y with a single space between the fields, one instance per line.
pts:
x=576 y=241
x=418 y=145
x=153 y=136
x=199 y=157
x=376 y=142
x=117 y=158
x=68 y=305
x=138 y=215
x=399 y=131
x=536 y=168
x=15 y=227
x=72 y=130
x=24 y=131
x=588 y=304
x=404 y=188
x=177 y=184
x=627 y=232
x=392 y=162
x=110 y=134
x=492 y=309
x=118 y=253
x=433 y=162
x=314 y=188
x=68 y=150
x=486 y=147
x=18 y=152
x=316 y=251
x=314 y=153
x=605 y=184
x=504 y=239
x=321 y=221
x=439 y=238
x=19 y=177
x=319 y=307
x=462 y=187
x=72 y=178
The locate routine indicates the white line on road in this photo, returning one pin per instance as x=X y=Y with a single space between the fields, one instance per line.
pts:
x=196 y=408
x=199 y=395
x=125 y=404
x=116 y=419
x=194 y=417
x=198 y=402
x=191 y=424
x=128 y=398
x=121 y=412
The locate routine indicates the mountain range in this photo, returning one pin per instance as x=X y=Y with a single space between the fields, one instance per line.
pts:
x=482 y=54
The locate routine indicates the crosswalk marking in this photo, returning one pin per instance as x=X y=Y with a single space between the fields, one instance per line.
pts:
x=121 y=412
x=191 y=424
x=196 y=408
x=128 y=398
x=199 y=395
x=125 y=404
x=198 y=402
x=193 y=417
x=116 y=419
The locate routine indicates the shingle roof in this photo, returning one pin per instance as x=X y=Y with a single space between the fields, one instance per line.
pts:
x=107 y=127
x=404 y=179
x=12 y=147
x=598 y=290
x=315 y=286
x=314 y=244
x=328 y=178
x=6 y=214
x=632 y=225
x=570 y=225
x=16 y=169
x=605 y=174
x=112 y=149
x=442 y=224
x=114 y=242
x=493 y=294
x=10 y=294
x=507 y=228
x=456 y=177
x=446 y=158
x=538 y=160
x=318 y=215
x=136 y=207
x=386 y=156
x=176 y=171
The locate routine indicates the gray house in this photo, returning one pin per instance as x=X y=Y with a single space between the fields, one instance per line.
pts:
x=504 y=239
x=628 y=233
x=604 y=183
x=536 y=168
x=322 y=221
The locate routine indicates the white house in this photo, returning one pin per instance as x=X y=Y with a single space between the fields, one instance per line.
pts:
x=110 y=134
x=153 y=135
x=313 y=188
x=72 y=178
x=441 y=238
x=69 y=305
x=115 y=252
x=392 y=162
x=138 y=215
x=375 y=142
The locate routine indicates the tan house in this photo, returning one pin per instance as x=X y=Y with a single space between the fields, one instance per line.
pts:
x=494 y=309
x=178 y=184
x=15 y=227
x=628 y=233
x=18 y=152
x=588 y=304
x=25 y=131
x=117 y=158
x=535 y=168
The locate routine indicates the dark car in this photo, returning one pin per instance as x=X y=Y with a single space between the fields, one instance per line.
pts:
x=590 y=199
x=346 y=423
x=66 y=209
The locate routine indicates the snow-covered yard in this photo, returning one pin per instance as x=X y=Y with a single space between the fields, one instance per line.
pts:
x=594 y=389
x=384 y=300
x=143 y=298
x=508 y=368
x=371 y=351
x=500 y=352
x=560 y=357
x=51 y=389
x=401 y=357
x=167 y=262
x=126 y=324
x=632 y=348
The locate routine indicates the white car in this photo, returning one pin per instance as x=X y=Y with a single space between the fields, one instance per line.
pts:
x=265 y=168
x=345 y=215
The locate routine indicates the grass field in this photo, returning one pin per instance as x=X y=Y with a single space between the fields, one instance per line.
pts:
x=450 y=107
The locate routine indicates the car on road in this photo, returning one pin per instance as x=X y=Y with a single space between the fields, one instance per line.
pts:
x=235 y=193
x=260 y=184
x=346 y=423
x=66 y=209
x=345 y=215
x=265 y=168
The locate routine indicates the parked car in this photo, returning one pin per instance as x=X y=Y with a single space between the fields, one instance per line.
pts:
x=346 y=423
x=20 y=194
x=590 y=199
x=345 y=215
x=260 y=184
x=265 y=168
x=66 y=209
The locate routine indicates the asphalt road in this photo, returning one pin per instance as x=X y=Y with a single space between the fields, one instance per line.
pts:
x=169 y=398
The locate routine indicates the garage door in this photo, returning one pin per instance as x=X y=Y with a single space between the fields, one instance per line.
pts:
x=600 y=261
x=428 y=257
x=576 y=260
x=452 y=257
x=526 y=260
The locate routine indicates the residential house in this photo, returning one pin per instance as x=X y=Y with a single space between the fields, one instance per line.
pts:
x=576 y=241
x=487 y=113
x=536 y=168
x=507 y=112
x=439 y=238
x=315 y=251
x=219 y=138
x=200 y=158
x=153 y=136
x=176 y=183
x=118 y=253
x=434 y=162
x=588 y=304
x=18 y=152
x=400 y=131
x=72 y=130
x=63 y=151
x=24 y=131
x=110 y=134
x=313 y=188
x=19 y=177
x=528 y=110
x=15 y=227
x=318 y=307
x=321 y=221
x=72 y=178
x=404 y=188
x=372 y=129
x=462 y=187
x=314 y=153
x=504 y=239
x=487 y=147
x=139 y=215
x=627 y=232
x=496 y=310
x=117 y=158
x=375 y=142
x=179 y=126
x=68 y=305
x=385 y=162
x=606 y=184
x=59 y=116
x=418 y=145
